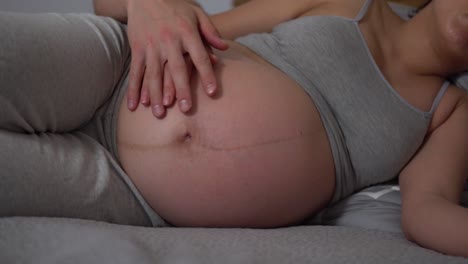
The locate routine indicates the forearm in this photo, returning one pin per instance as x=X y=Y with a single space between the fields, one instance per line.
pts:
x=254 y=16
x=259 y=16
x=118 y=9
x=415 y=3
x=438 y=224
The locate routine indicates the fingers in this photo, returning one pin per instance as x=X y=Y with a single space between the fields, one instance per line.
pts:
x=153 y=82
x=212 y=56
x=169 y=89
x=144 y=95
x=209 y=31
x=180 y=78
x=169 y=93
x=137 y=68
x=202 y=61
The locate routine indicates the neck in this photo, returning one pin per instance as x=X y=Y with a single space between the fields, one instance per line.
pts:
x=417 y=48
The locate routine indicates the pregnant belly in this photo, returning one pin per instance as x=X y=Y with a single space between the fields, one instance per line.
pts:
x=255 y=155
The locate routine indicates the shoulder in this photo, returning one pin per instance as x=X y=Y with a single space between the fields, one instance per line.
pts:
x=462 y=107
x=460 y=113
x=454 y=100
x=441 y=160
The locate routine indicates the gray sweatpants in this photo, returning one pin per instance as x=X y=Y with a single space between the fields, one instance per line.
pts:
x=62 y=78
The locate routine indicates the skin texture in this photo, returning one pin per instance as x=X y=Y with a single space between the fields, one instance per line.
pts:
x=183 y=183
x=160 y=32
x=214 y=167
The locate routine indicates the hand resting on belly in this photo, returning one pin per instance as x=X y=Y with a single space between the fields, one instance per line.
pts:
x=256 y=155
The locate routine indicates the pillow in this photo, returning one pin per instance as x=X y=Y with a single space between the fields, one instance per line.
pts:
x=377 y=207
x=461 y=80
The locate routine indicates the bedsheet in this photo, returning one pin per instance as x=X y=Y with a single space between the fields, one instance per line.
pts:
x=53 y=240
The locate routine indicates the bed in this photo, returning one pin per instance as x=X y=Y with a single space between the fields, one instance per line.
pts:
x=363 y=228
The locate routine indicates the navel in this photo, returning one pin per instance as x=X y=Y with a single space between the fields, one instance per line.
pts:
x=188 y=139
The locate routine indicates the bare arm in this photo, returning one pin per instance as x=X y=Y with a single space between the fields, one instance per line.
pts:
x=415 y=3
x=117 y=9
x=261 y=16
x=161 y=32
x=254 y=16
x=432 y=185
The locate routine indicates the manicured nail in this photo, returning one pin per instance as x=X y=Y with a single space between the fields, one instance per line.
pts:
x=167 y=100
x=213 y=59
x=222 y=41
x=158 y=110
x=210 y=88
x=184 y=105
x=131 y=103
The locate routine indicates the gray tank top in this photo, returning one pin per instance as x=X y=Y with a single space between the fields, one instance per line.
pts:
x=373 y=131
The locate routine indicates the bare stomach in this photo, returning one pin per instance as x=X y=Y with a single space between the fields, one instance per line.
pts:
x=256 y=155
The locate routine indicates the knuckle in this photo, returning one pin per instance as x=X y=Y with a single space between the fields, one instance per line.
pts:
x=149 y=41
x=132 y=92
x=133 y=86
x=156 y=97
x=151 y=86
x=168 y=89
x=182 y=91
x=145 y=87
x=135 y=45
x=137 y=61
x=178 y=68
x=158 y=74
x=185 y=26
x=166 y=34
x=154 y=72
x=133 y=75
x=201 y=60
x=153 y=83
x=131 y=95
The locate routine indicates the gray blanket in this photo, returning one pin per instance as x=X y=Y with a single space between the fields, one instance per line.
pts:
x=49 y=240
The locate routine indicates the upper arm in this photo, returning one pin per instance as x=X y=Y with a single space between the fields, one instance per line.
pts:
x=441 y=165
x=261 y=16
x=440 y=168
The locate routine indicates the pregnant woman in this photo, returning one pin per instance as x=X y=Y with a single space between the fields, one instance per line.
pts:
x=342 y=96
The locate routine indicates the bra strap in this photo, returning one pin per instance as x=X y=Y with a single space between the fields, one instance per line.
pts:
x=439 y=96
x=363 y=11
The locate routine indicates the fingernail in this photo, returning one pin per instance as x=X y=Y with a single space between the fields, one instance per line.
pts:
x=158 y=110
x=131 y=103
x=210 y=88
x=213 y=58
x=167 y=100
x=184 y=105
